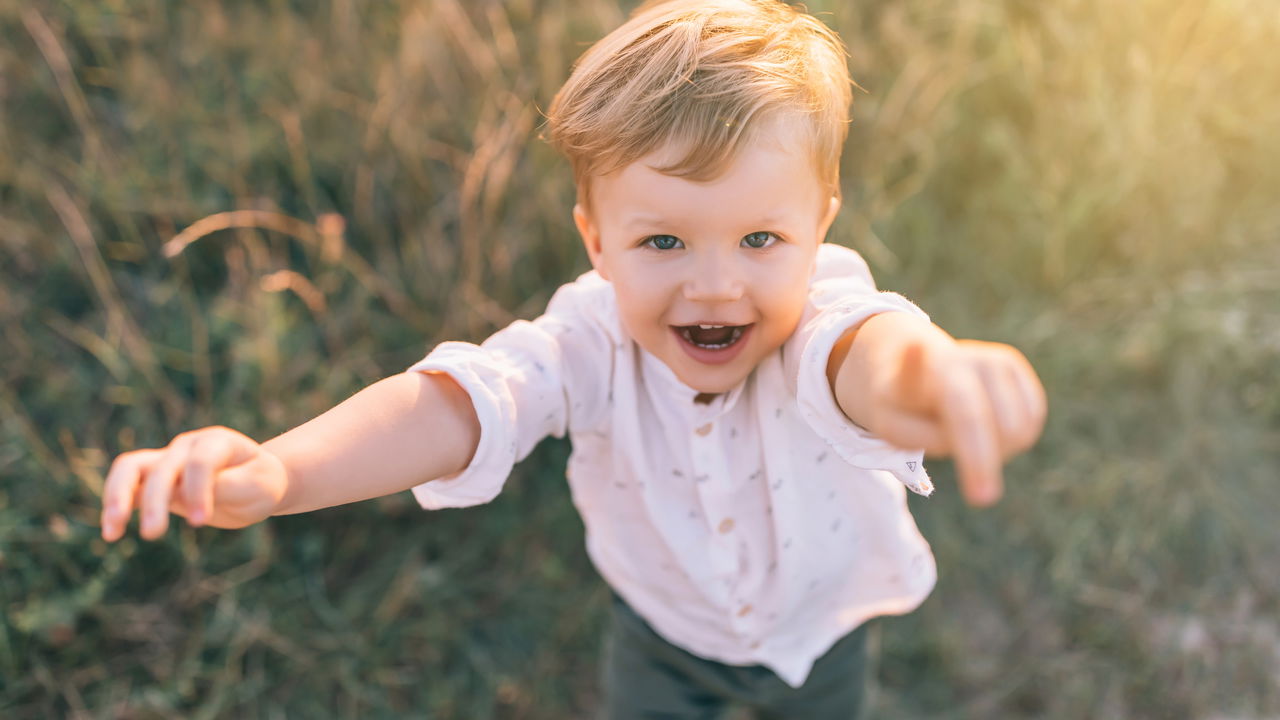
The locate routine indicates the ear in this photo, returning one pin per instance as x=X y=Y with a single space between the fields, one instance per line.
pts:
x=590 y=238
x=833 y=207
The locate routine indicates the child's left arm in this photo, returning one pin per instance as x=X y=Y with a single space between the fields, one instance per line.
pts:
x=906 y=380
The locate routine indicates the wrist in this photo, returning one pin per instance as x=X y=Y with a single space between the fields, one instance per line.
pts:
x=885 y=336
x=279 y=482
x=866 y=362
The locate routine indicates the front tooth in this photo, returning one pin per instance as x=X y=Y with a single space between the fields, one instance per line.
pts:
x=710 y=327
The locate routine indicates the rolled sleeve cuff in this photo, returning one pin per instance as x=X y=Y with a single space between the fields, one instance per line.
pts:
x=482 y=479
x=818 y=406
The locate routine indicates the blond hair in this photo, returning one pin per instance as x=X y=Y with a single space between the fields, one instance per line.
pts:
x=704 y=75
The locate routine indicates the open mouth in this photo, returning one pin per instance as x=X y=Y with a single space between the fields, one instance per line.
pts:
x=711 y=337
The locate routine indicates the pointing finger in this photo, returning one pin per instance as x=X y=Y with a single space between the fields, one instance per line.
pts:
x=1005 y=401
x=967 y=416
x=1033 y=396
x=1030 y=419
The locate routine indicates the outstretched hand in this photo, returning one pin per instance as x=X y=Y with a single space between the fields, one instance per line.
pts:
x=979 y=402
x=211 y=476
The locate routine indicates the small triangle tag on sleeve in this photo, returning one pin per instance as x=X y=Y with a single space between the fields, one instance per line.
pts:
x=911 y=465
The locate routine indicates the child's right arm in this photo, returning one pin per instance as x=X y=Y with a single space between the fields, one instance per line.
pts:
x=395 y=434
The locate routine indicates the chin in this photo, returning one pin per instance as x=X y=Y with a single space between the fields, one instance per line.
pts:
x=713 y=386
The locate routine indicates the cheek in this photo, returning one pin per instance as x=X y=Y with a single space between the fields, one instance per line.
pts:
x=642 y=297
x=784 y=311
x=781 y=295
x=782 y=288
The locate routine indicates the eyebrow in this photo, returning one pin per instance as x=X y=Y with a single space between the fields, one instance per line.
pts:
x=769 y=221
x=643 y=220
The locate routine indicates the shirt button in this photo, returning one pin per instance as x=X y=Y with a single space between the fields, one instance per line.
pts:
x=726 y=525
x=704 y=430
x=746 y=610
x=755 y=645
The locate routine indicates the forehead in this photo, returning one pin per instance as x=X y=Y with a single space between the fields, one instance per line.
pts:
x=772 y=178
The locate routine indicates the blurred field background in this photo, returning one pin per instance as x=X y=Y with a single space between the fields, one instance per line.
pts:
x=1092 y=181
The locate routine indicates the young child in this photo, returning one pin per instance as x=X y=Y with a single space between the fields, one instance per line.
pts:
x=745 y=407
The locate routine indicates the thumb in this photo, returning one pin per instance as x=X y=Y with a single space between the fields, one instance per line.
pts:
x=914 y=387
x=250 y=491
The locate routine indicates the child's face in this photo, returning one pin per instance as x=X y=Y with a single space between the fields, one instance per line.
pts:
x=735 y=252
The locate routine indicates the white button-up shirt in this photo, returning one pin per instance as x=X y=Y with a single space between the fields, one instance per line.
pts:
x=756 y=529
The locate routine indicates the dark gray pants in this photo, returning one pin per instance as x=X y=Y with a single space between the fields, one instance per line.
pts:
x=644 y=677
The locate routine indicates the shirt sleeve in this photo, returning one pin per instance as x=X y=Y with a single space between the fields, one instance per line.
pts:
x=841 y=296
x=526 y=381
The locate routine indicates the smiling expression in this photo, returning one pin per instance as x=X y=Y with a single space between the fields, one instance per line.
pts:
x=710 y=277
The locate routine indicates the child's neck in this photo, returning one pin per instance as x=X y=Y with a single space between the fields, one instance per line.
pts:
x=705 y=398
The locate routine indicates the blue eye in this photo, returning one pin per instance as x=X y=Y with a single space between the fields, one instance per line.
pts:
x=759 y=240
x=663 y=242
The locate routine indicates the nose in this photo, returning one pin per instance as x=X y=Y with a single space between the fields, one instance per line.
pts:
x=713 y=278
